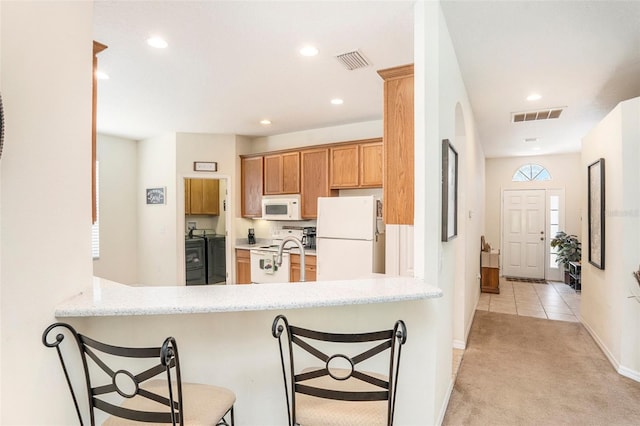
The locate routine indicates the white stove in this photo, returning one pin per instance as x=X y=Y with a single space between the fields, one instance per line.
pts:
x=263 y=258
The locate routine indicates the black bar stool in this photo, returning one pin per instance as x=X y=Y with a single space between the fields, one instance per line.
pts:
x=131 y=398
x=337 y=392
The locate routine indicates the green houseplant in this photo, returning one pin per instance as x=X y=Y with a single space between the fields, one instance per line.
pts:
x=568 y=250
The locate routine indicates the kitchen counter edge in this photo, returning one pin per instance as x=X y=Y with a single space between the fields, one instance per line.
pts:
x=293 y=250
x=108 y=298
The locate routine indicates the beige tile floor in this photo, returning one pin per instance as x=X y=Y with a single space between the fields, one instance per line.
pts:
x=554 y=301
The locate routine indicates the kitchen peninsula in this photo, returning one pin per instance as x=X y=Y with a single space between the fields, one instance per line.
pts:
x=224 y=332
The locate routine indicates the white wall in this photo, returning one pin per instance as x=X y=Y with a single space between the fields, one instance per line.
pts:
x=606 y=309
x=565 y=170
x=46 y=69
x=206 y=147
x=118 y=214
x=157 y=248
x=344 y=133
x=440 y=96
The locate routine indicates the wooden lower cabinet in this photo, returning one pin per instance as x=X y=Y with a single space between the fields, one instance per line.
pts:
x=243 y=266
x=294 y=268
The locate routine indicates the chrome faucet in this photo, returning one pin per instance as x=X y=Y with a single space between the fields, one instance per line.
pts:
x=287 y=239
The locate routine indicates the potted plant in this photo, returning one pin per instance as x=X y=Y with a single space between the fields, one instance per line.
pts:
x=568 y=250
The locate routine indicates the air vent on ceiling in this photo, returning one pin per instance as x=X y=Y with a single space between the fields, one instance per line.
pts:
x=353 y=60
x=544 y=114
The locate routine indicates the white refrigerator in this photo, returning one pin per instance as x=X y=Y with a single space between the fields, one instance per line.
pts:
x=349 y=238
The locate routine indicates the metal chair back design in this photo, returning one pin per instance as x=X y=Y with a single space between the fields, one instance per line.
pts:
x=103 y=380
x=298 y=381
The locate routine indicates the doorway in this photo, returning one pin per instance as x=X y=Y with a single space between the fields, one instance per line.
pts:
x=204 y=214
x=524 y=233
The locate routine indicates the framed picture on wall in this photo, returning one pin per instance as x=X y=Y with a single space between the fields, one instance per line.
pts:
x=595 y=195
x=156 y=196
x=449 y=191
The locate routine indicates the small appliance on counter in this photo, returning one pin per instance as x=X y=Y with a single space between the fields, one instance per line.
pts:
x=309 y=237
x=251 y=236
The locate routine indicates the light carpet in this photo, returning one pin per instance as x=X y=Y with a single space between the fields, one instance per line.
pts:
x=528 y=371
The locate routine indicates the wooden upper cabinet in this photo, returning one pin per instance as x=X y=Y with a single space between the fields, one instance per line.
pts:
x=371 y=164
x=344 y=166
x=202 y=196
x=398 y=143
x=356 y=165
x=251 y=186
x=314 y=171
x=282 y=173
x=97 y=48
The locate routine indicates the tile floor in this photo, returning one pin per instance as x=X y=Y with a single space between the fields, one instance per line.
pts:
x=554 y=301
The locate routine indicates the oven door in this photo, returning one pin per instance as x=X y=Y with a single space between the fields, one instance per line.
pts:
x=264 y=269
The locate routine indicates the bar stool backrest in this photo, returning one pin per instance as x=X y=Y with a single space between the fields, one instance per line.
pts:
x=347 y=383
x=107 y=381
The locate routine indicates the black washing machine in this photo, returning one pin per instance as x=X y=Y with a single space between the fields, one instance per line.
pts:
x=195 y=260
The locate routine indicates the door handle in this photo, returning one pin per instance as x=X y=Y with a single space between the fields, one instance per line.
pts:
x=541 y=238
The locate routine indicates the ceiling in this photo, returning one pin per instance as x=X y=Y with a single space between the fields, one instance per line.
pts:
x=230 y=64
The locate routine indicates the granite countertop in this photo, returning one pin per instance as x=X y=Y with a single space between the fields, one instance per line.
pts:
x=108 y=298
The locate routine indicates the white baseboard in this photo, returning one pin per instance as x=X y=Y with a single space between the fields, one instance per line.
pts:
x=620 y=369
x=459 y=344
x=627 y=372
x=445 y=404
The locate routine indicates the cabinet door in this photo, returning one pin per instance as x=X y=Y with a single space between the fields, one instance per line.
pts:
x=251 y=186
x=314 y=164
x=204 y=196
x=243 y=267
x=211 y=196
x=294 y=268
x=291 y=173
x=187 y=196
x=371 y=165
x=398 y=145
x=273 y=174
x=344 y=166
x=282 y=173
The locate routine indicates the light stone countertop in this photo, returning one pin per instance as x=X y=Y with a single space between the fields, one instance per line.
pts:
x=108 y=298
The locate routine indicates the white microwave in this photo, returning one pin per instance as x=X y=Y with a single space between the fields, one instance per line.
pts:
x=278 y=207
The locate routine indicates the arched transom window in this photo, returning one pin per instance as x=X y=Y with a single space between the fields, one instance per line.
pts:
x=530 y=172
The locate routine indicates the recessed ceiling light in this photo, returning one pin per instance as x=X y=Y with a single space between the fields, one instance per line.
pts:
x=308 y=51
x=157 y=42
x=101 y=75
x=534 y=97
x=337 y=101
x=265 y=122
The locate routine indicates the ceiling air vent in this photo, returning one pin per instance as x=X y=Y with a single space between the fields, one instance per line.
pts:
x=545 y=114
x=353 y=60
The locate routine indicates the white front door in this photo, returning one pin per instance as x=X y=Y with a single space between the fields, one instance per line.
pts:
x=523 y=216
